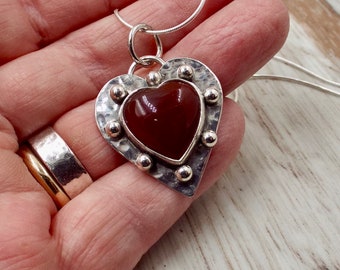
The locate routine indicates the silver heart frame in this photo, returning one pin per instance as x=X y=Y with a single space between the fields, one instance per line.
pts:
x=109 y=122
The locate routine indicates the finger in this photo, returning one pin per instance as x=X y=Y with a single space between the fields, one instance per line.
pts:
x=79 y=130
x=71 y=72
x=8 y=139
x=122 y=214
x=238 y=57
x=25 y=211
x=241 y=44
x=29 y=25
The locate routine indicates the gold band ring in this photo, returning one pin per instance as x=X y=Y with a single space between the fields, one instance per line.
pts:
x=44 y=178
x=54 y=165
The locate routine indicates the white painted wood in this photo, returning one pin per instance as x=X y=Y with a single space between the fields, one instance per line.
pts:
x=335 y=4
x=278 y=206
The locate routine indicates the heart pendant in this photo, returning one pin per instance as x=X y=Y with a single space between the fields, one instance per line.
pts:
x=165 y=123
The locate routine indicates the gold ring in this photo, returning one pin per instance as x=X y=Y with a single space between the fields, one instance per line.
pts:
x=54 y=165
x=44 y=178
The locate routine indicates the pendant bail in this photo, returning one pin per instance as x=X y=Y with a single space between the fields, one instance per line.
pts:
x=131 y=44
x=146 y=59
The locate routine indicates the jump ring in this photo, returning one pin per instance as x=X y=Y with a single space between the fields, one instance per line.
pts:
x=131 y=44
x=149 y=59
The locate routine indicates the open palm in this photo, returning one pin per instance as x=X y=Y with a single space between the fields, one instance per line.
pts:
x=55 y=56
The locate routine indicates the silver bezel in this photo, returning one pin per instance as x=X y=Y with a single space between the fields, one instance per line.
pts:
x=107 y=110
x=146 y=149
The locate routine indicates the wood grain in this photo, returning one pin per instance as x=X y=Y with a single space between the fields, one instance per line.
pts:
x=278 y=206
x=321 y=21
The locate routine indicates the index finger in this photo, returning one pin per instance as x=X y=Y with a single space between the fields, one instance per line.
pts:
x=29 y=25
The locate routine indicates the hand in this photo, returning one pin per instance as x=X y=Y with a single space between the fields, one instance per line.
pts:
x=56 y=56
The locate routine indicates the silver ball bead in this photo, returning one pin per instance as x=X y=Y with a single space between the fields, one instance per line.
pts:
x=113 y=129
x=153 y=78
x=186 y=72
x=211 y=96
x=184 y=173
x=209 y=138
x=118 y=93
x=144 y=162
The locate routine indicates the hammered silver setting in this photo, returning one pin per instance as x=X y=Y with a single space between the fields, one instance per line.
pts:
x=108 y=109
x=144 y=162
x=118 y=93
x=209 y=138
x=186 y=72
x=211 y=95
x=154 y=78
x=113 y=129
x=184 y=173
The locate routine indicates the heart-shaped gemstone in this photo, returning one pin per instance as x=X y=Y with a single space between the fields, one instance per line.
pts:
x=164 y=119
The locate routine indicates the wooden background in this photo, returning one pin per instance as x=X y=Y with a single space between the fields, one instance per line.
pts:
x=278 y=205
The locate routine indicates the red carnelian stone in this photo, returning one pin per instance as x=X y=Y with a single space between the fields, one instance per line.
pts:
x=164 y=119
